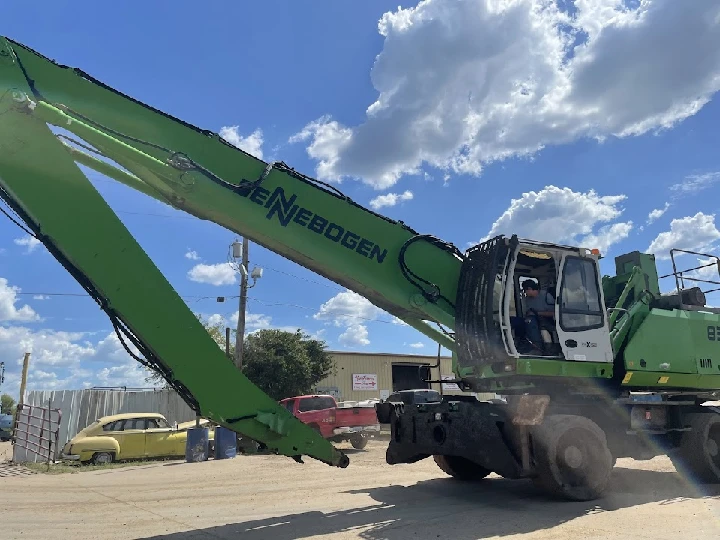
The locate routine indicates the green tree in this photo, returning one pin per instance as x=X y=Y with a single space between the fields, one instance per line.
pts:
x=280 y=363
x=285 y=364
x=7 y=404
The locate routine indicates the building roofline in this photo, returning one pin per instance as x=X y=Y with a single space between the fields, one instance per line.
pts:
x=401 y=355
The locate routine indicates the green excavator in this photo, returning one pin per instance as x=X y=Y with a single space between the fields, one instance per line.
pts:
x=618 y=370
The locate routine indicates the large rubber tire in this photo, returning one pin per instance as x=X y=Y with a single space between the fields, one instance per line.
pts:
x=571 y=457
x=461 y=468
x=698 y=456
x=359 y=442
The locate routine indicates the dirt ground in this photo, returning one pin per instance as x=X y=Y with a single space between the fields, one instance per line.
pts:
x=272 y=497
x=5 y=451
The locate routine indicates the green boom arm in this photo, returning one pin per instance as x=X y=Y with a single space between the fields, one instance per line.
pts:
x=413 y=277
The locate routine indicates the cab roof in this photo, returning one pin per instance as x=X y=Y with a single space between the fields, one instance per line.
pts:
x=125 y=416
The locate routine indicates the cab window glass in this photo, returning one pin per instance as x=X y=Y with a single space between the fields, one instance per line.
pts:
x=580 y=307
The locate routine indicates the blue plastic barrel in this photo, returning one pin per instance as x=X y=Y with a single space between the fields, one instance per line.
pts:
x=197 y=445
x=225 y=443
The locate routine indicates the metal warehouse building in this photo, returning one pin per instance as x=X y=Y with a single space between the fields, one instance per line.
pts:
x=359 y=376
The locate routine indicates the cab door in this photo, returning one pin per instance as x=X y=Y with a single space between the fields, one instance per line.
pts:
x=580 y=314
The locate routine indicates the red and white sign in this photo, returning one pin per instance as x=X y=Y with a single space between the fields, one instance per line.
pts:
x=364 y=381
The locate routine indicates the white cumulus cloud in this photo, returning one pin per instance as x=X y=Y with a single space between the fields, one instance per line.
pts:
x=390 y=199
x=464 y=83
x=657 y=213
x=252 y=144
x=607 y=236
x=350 y=310
x=67 y=360
x=693 y=233
x=562 y=215
x=355 y=336
x=30 y=242
x=9 y=311
x=709 y=270
x=417 y=345
x=253 y=322
x=192 y=255
x=215 y=319
x=132 y=375
x=47 y=347
x=213 y=274
x=257 y=321
x=347 y=308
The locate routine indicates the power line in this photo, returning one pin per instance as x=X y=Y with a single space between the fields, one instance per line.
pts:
x=298 y=306
x=51 y=294
x=228 y=297
x=88 y=296
x=283 y=304
x=305 y=279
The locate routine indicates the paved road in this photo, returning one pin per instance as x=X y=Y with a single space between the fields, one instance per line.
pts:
x=270 y=497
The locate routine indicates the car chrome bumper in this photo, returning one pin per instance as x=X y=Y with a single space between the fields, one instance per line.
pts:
x=356 y=429
x=69 y=457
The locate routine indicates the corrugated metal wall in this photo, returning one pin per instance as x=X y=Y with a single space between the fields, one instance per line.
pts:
x=379 y=364
x=81 y=408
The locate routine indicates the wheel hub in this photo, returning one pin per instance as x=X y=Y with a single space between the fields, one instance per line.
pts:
x=712 y=448
x=573 y=457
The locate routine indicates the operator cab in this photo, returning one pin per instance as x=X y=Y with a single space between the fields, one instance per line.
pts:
x=519 y=298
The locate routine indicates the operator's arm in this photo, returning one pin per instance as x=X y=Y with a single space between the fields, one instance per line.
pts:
x=540 y=305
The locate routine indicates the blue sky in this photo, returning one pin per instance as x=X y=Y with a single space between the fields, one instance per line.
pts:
x=482 y=122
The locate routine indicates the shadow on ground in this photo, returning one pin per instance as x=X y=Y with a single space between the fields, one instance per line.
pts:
x=445 y=508
x=265 y=453
x=173 y=463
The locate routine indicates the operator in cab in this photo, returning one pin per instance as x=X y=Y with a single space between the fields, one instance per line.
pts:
x=539 y=311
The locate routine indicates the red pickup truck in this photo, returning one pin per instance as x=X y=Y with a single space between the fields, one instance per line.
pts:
x=345 y=421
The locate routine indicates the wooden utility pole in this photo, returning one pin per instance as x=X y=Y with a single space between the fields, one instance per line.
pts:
x=240 y=331
x=23 y=380
x=227 y=343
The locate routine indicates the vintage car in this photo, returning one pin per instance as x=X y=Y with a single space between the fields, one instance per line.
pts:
x=130 y=436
